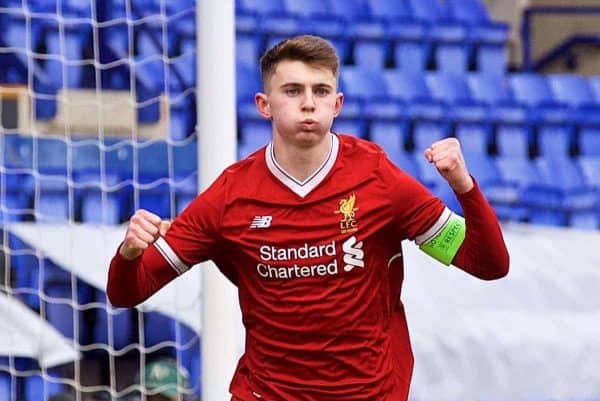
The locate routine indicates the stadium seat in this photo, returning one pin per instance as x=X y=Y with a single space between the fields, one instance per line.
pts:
x=590 y=168
x=248 y=83
x=513 y=130
x=392 y=143
x=248 y=49
x=253 y=135
x=121 y=331
x=160 y=332
x=513 y=141
x=516 y=175
x=188 y=353
x=428 y=116
x=450 y=39
x=350 y=126
x=469 y=115
x=560 y=192
x=368 y=88
x=488 y=37
x=185 y=167
x=63 y=309
x=594 y=82
x=307 y=8
x=16 y=156
x=6 y=386
x=65 y=44
x=408 y=38
x=551 y=116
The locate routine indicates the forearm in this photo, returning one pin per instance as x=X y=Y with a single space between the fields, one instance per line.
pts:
x=130 y=282
x=483 y=252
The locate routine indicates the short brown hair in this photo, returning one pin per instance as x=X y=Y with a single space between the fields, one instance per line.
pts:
x=309 y=49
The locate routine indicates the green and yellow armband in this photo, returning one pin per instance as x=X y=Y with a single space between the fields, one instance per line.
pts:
x=443 y=239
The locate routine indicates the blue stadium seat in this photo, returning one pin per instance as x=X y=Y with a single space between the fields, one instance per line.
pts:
x=572 y=89
x=560 y=192
x=160 y=332
x=450 y=39
x=578 y=93
x=121 y=331
x=488 y=37
x=513 y=141
x=61 y=306
x=368 y=88
x=36 y=388
x=307 y=8
x=25 y=268
x=594 y=82
x=253 y=135
x=590 y=168
x=551 y=116
x=154 y=192
x=16 y=155
x=248 y=48
x=513 y=131
x=261 y=7
x=348 y=10
x=185 y=167
x=99 y=192
x=427 y=115
x=516 y=175
x=407 y=37
x=65 y=44
x=371 y=44
x=392 y=142
x=248 y=83
x=6 y=386
x=391 y=130
x=188 y=353
x=152 y=36
x=470 y=116
x=350 y=126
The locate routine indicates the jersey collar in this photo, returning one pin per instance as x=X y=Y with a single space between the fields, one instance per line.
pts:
x=303 y=188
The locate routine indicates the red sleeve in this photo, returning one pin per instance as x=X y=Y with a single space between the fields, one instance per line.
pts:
x=194 y=237
x=483 y=252
x=414 y=207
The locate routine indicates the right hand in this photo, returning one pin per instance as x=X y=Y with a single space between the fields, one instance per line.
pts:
x=143 y=230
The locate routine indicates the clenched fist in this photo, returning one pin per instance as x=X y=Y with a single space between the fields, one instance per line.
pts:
x=144 y=228
x=447 y=157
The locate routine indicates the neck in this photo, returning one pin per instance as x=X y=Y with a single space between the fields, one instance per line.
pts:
x=301 y=162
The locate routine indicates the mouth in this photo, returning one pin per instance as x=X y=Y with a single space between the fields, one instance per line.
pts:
x=308 y=123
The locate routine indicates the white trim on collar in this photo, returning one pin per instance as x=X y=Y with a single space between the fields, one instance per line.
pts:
x=303 y=188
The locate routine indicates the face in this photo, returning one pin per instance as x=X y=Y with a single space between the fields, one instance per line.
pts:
x=301 y=100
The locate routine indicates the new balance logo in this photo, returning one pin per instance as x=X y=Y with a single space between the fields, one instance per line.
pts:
x=261 y=222
x=353 y=254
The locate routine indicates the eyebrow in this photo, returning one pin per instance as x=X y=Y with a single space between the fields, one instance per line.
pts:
x=293 y=84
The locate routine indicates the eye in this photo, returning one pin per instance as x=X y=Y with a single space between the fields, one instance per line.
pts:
x=322 y=91
x=292 y=91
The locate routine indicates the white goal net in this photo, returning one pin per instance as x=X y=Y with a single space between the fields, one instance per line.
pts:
x=97 y=119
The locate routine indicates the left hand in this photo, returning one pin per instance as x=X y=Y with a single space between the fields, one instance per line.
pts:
x=447 y=157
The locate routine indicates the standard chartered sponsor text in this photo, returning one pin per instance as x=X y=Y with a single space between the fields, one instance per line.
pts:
x=320 y=268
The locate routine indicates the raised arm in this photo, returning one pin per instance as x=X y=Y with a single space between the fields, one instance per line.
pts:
x=137 y=270
x=483 y=252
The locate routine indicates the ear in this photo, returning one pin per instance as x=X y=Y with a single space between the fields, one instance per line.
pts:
x=339 y=101
x=262 y=105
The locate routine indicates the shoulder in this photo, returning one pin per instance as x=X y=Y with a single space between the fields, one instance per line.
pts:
x=250 y=166
x=357 y=149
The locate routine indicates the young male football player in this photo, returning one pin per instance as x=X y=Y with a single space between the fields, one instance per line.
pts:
x=309 y=228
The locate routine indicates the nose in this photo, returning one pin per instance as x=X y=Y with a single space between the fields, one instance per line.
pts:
x=308 y=101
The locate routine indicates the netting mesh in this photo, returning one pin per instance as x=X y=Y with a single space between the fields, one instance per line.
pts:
x=97 y=119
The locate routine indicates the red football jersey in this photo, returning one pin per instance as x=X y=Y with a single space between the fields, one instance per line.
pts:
x=319 y=269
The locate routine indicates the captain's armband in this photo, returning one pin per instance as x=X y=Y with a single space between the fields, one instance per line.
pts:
x=443 y=239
